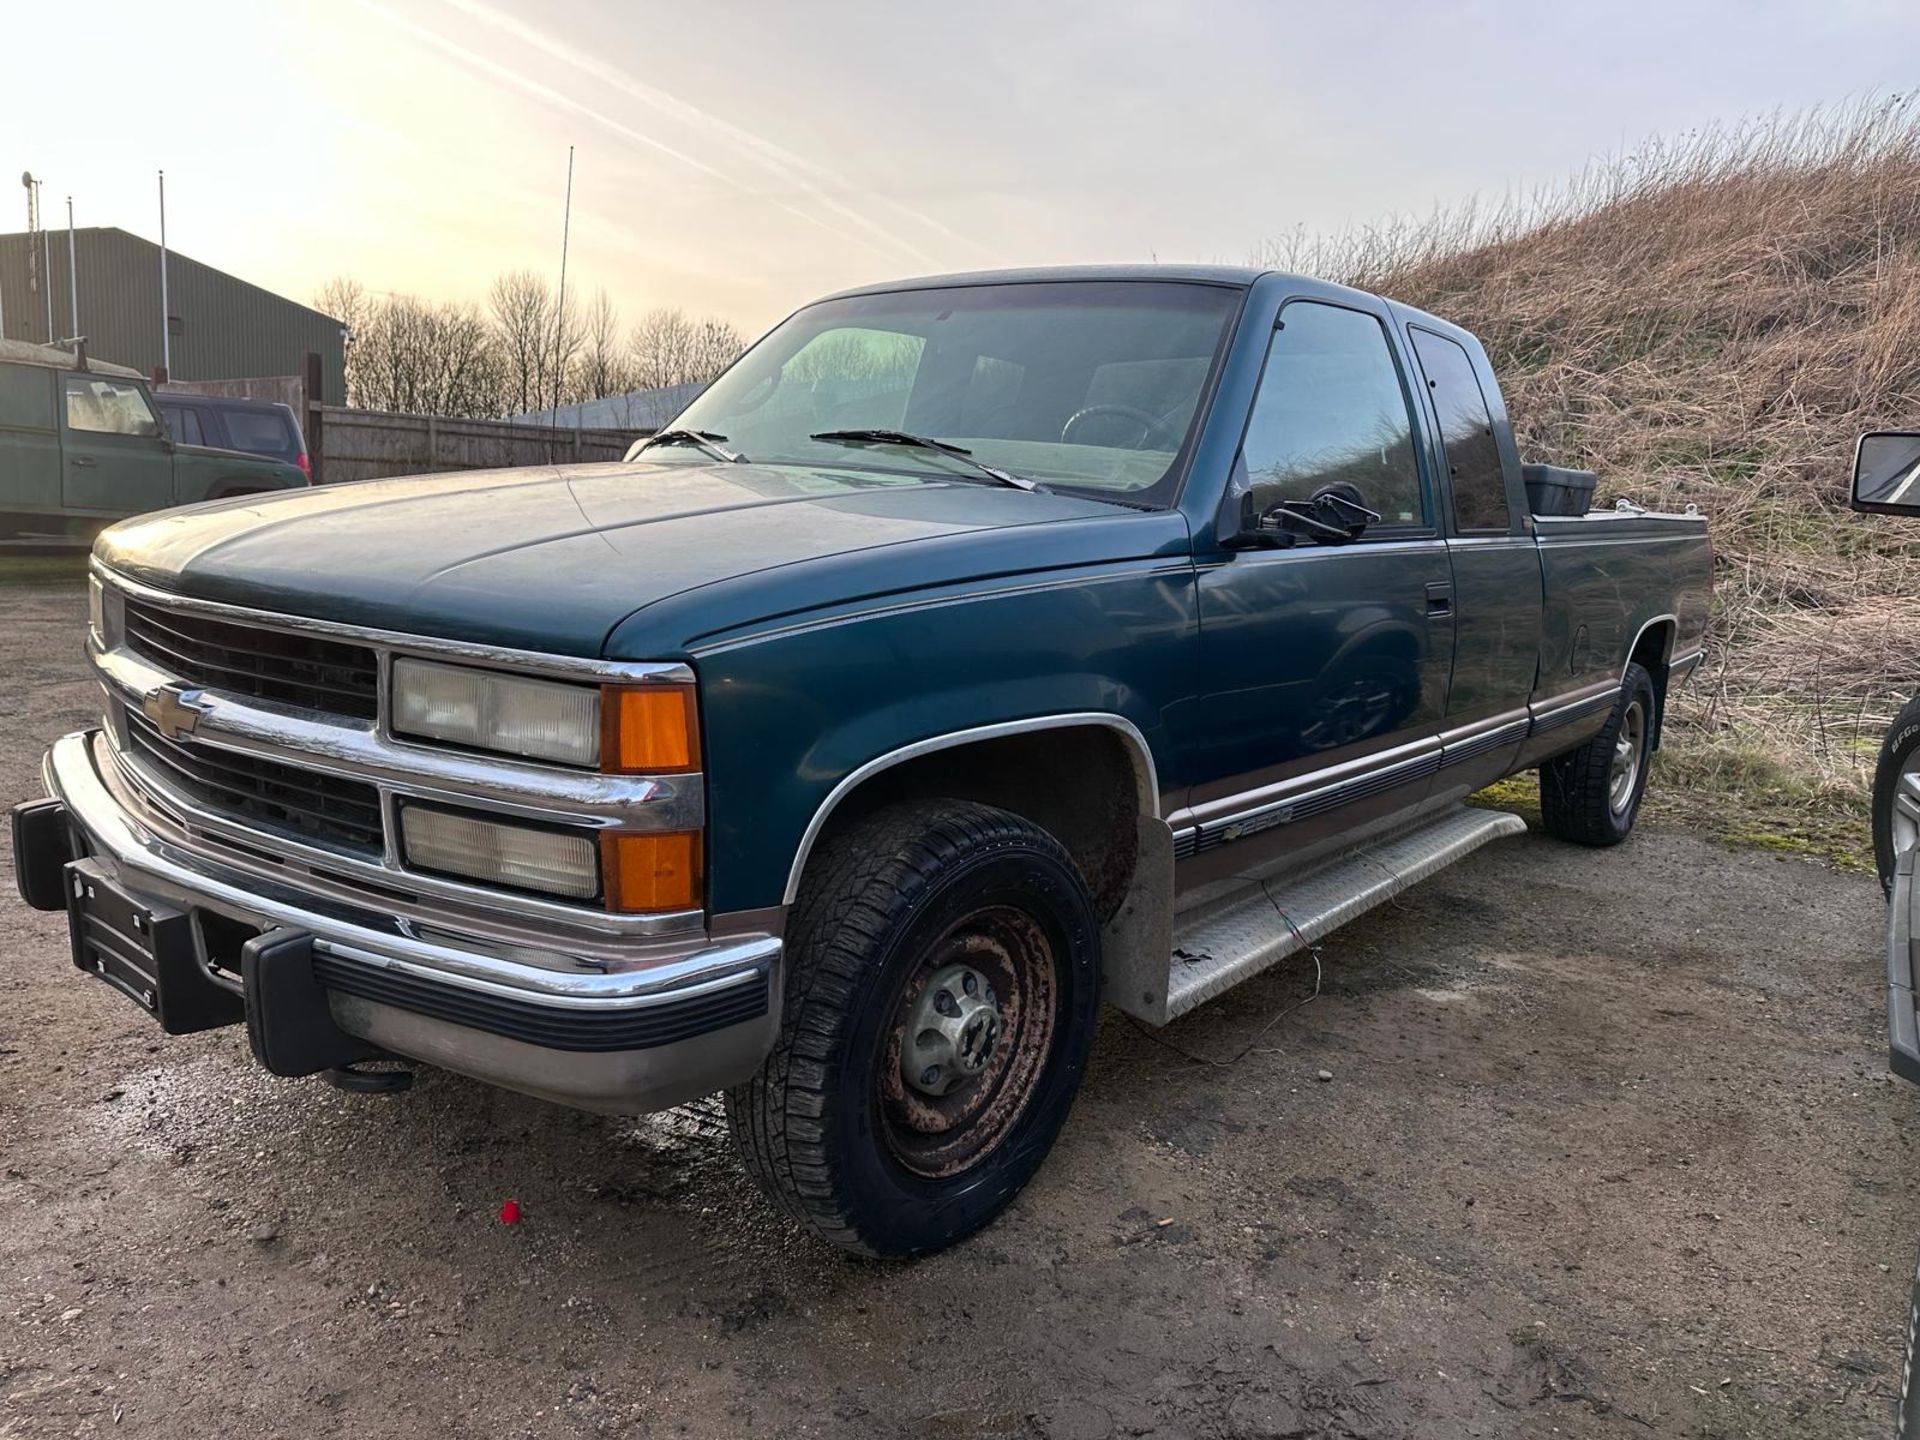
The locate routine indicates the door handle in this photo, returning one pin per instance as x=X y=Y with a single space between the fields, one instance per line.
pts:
x=1439 y=601
x=84 y=461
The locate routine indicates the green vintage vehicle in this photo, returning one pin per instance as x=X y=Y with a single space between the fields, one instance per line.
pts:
x=81 y=445
x=974 y=650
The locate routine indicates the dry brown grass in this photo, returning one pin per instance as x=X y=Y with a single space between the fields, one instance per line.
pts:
x=1716 y=319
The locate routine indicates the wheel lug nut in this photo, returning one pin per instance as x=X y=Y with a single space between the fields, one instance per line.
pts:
x=943 y=1002
x=970 y=982
x=930 y=1075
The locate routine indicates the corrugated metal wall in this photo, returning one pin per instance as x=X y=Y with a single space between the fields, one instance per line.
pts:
x=227 y=329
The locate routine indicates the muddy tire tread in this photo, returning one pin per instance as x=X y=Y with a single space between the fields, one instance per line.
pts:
x=1574 y=803
x=859 y=885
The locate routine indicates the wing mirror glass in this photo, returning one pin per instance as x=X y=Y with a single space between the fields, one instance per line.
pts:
x=1886 y=473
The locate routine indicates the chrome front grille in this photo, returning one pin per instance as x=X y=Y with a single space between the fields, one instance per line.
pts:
x=303 y=804
x=303 y=670
x=285 y=755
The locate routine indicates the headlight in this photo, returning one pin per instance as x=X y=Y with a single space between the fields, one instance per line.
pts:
x=557 y=862
x=97 y=608
x=484 y=710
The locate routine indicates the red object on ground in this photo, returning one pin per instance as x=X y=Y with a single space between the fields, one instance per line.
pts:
x=509 y=1212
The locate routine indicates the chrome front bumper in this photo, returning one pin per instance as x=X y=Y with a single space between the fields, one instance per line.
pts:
x=678 y=1020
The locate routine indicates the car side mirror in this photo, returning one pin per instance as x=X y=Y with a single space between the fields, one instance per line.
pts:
x=1333 y=515
x=1886 y=473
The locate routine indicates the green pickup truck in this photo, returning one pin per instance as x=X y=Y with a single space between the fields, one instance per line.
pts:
x=81 y=445
x=974 y=650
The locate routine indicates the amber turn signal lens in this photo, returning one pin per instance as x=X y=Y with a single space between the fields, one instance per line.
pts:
x=648 y=728
x=651 y=870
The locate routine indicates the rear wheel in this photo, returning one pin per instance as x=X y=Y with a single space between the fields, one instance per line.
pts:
x=1591 y=795
x=942 y=981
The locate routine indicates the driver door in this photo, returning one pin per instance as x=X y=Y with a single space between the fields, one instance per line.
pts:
x=1324 y=666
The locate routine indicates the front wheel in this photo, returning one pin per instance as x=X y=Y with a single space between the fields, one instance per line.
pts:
x=1591 y=795
x=942 y=982
x=1896 y=792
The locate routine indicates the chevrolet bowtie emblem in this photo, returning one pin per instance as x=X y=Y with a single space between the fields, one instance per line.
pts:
x=173 y=711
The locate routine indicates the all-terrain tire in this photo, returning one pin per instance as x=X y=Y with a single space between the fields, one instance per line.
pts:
x=1591 y=795
x=821 y=1125
x=1899 y=753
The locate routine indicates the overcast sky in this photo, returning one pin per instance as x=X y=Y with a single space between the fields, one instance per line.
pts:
x=740 y=158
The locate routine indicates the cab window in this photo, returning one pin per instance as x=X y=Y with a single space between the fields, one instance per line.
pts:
x=1474 y=472
x=1332 y=413
x=100 y=406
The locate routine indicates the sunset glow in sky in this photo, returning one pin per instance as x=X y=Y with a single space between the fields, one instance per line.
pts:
x=739 y=159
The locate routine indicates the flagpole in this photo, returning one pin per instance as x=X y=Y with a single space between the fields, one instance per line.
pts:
x=73 y=274
x=166 y=333
x=560 y=308
x=46 y=260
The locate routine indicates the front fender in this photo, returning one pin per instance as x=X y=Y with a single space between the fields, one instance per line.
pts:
x=790 y=716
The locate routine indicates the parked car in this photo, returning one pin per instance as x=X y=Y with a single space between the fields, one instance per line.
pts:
x=973 y=649
x=258 y=427
x=81 y=445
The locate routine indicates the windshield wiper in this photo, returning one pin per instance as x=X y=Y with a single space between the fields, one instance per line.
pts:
x=925 y=442
x=700 y=439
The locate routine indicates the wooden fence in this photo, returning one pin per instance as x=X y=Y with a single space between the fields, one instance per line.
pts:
x=347 y=444
x=369 y=444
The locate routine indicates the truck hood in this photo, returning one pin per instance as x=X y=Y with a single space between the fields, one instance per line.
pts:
x=554 y=559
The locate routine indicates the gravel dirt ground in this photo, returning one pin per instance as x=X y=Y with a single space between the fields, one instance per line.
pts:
x=1608 y=1149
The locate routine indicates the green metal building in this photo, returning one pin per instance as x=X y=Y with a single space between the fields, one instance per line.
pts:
x=221 y=328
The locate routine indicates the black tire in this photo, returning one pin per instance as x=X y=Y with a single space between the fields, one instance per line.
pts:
x=1899 y=753
x=1588 y=795
x=831 y=1127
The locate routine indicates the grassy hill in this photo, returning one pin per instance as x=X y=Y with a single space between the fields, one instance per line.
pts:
x=1716 y=319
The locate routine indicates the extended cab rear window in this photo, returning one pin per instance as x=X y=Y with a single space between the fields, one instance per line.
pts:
x=1466 y=434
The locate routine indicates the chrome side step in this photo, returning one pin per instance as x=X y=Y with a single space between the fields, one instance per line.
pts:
x=1233 y=938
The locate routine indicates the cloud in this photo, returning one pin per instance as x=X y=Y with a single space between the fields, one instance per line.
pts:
x=814 y=181
x=864 y=233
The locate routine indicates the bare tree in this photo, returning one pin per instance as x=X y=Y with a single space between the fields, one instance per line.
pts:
x=670 y=349
x=347 y=301
x=522 y=310
x=601 y=368
x=423 y=359
x=716 y=345
x=410 y=355
x=661 y=347
x=537 y=339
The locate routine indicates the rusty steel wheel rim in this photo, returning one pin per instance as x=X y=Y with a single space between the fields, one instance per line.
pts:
x=967 y=1042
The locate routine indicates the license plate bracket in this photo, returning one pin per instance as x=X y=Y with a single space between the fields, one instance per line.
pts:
x=146 y=950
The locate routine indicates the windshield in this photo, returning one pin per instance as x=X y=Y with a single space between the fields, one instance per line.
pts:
x=1090 y=385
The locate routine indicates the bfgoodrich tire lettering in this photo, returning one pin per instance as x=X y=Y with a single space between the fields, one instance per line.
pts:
x=1591 y=795
x=952 y=934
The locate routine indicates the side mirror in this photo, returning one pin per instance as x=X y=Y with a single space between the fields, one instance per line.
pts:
x=1334 y=515
x=1886 y=473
